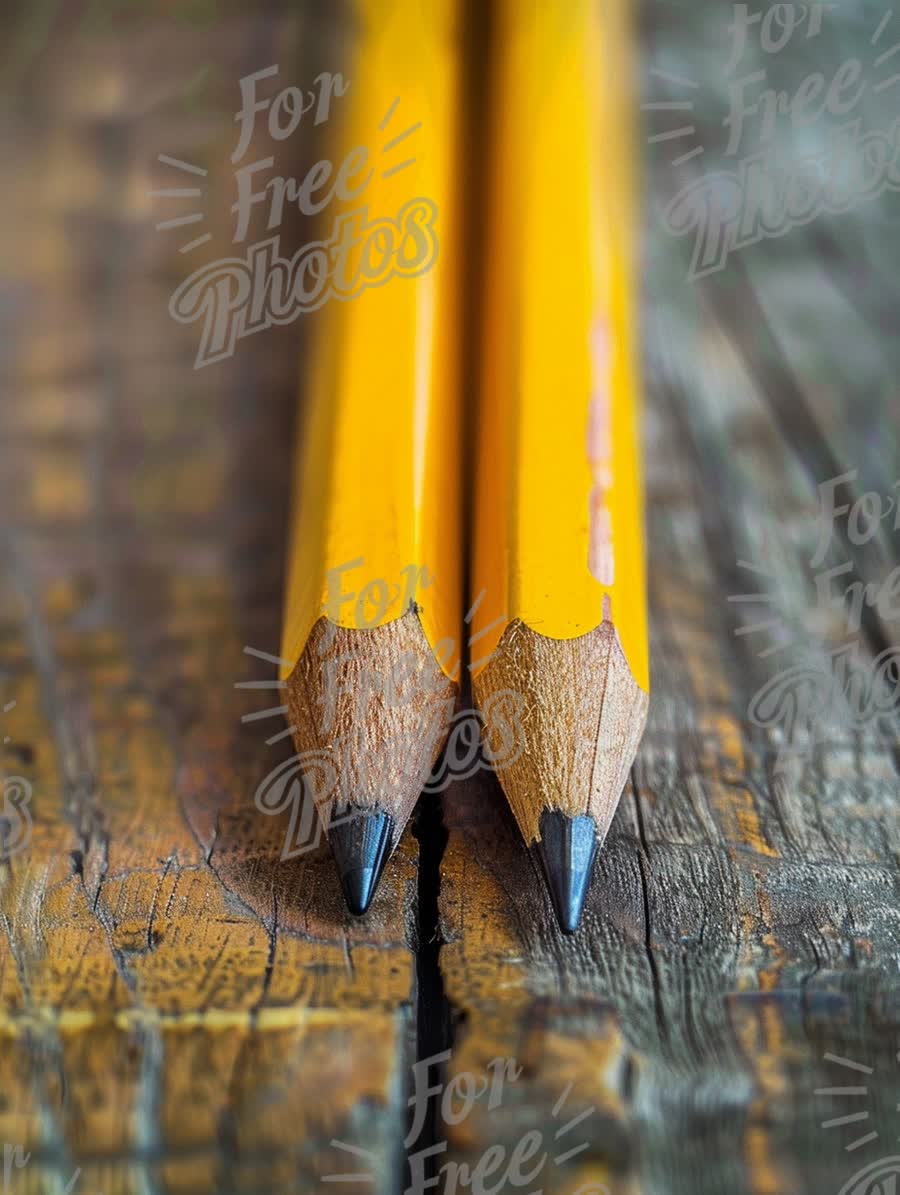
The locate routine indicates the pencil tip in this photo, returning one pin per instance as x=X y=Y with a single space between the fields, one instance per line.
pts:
x=360 y=842
x=566 y=849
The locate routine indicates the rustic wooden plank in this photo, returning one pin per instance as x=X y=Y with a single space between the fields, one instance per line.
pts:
x=180 y=1008
x=742 y=924
x=811 y=312
x=742 y=934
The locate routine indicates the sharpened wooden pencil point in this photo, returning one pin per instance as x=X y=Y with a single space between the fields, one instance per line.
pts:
x=584 y=720
x=370 y=711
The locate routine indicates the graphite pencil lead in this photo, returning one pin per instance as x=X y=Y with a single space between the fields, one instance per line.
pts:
x=360 y=842
x=567 y=849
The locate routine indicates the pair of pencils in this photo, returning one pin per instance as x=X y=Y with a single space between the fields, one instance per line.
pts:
x=374 y=610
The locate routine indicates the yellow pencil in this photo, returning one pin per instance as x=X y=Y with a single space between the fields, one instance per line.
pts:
x=373 y=602
x=558 y=522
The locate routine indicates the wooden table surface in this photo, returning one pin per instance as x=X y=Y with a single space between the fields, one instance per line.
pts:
x=184 y=1011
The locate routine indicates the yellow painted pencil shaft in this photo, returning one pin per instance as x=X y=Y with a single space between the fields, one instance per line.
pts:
x=558 y=511
x=376 y=511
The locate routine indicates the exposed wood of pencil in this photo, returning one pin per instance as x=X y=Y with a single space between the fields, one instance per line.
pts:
x=582 y=718
x=374 y=707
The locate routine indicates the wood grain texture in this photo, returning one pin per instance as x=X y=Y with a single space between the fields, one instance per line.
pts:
x=373 y=709
x=579 y=726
